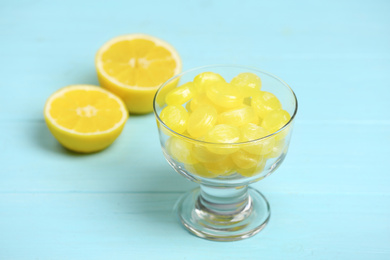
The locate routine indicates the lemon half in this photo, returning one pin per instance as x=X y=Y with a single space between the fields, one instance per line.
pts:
x=85 y=118
x=134 y=66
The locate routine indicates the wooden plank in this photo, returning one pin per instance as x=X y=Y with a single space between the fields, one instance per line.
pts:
x=125 y=225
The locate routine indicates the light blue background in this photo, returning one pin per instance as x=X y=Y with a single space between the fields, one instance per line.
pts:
x=330 y=199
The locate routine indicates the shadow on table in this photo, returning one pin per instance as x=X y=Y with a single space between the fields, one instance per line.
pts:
x=45 y=140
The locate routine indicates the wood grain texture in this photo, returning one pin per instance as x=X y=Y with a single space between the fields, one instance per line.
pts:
x=329 y=200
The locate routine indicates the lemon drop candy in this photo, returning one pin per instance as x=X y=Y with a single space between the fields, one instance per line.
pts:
x=252 y=171
x=277 y=149
x=175 y=117
x=224 y=167
x=201 y=120
x=202 y=100
x=180 y=95
x=248 y=82
x=264 y=102
x=180 y=150
x=238 y=117
x=203 y=154
x=244 y=160
x=198 y=101
x=221 y=135
x=251 y=132
x=225 y=95
x=275 y=120
x=205 y=79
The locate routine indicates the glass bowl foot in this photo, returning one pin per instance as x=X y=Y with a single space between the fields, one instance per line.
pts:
x=214 y=218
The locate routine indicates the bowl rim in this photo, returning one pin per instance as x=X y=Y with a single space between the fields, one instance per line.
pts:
x=226 y=66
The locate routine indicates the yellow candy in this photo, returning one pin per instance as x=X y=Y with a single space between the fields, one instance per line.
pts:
x=200 y=170
x=276 y=120
x=223 y=114
x=244 y=160
x=252 y=171
x=201 y=121
x=180 y=150
x=202 y=100
x=223 y=134
x=180 y=95
x=264 y=102
x=247 y=101
x=203 y=154
x=281 y=135
x=248 y=82
x=188 y=107
x=199 y=101
x=238 y=117
x=224 y=167
x=277 y=149
x=204 y=80
x=175 y=117
x=225 y=95
x=250 y=132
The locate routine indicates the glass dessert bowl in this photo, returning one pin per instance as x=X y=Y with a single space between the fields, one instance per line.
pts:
x=224 y=127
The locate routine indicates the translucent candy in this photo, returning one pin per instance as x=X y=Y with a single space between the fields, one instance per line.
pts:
x=188 y=106
x=202 y=100
x=238 y=117
x=201 y=121
x=244 y=160
x=175 y=117
x=225 y=95
x=281 y=135
x=264 y=102
x=203 y=154
x=200 y=170
x=252 y=171
x=204 y=80
x=224 y=167
x=277 y=149
x=251 y=132
x=247 y=101
x=180 y=150
x=223 y=134
x=248 y=82
x=180 y=95
x=276 y=120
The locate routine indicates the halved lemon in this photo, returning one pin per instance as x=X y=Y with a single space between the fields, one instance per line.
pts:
x=134 y=66
x=85 y=118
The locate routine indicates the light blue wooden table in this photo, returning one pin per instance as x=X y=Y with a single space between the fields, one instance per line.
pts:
x=331 y=197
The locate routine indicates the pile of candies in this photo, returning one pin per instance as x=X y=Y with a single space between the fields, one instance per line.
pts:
x=224 y=117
